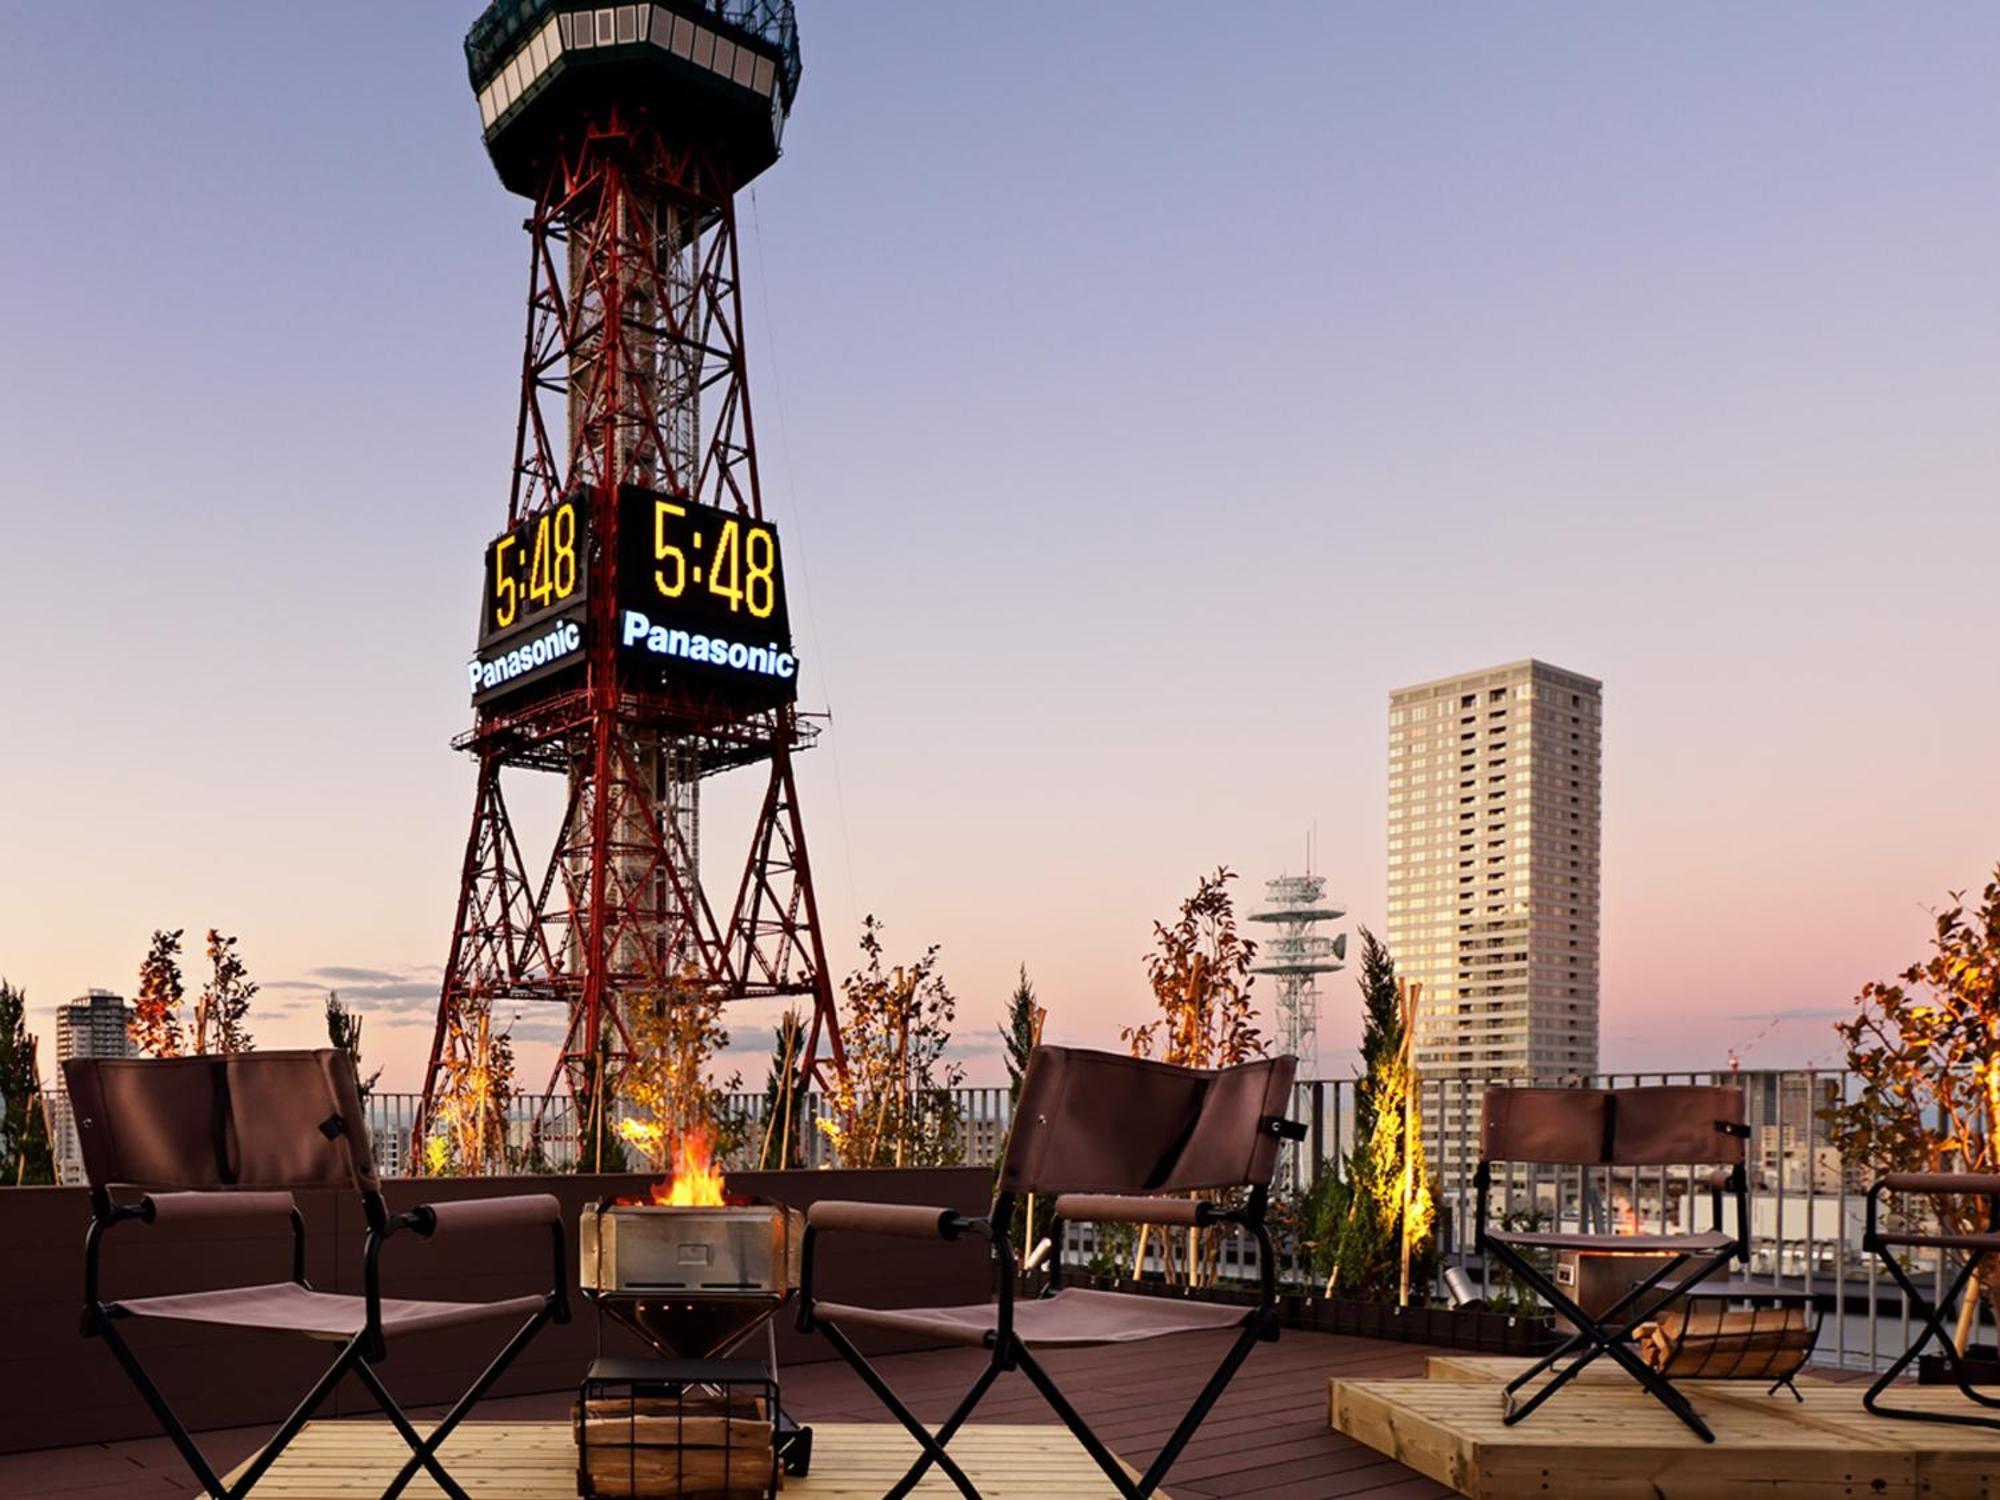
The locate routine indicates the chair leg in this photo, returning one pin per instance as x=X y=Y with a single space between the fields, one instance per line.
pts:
x=423 y=1453
x=1604 y=1342
x=933 y=1447
x=1933 y=1320
x=1253 y=1333
x=267 y=1455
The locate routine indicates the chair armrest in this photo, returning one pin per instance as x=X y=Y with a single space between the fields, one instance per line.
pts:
x=541 y=1211
x=1940 y=1182
x=522 y=1211
x=214 y=1208
x=904 y=1220
x=1109 y=1208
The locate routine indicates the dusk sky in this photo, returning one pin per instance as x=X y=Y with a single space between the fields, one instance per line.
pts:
x=1143 y=391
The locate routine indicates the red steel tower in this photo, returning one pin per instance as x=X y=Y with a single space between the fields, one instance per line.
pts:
x=634 y=638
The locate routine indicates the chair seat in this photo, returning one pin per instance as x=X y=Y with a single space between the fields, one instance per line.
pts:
x=287 y=1307
x=1637 y=1244
x=1074 y=1315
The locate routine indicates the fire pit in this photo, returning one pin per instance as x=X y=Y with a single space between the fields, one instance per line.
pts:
x=696 y=1273
x=693 y=1282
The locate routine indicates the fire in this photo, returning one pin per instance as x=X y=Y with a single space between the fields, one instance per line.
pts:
x=695 y=1181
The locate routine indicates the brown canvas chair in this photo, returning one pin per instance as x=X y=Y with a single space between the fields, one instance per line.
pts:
x=1685 y=1125
x=211 y=1140
x=1108 y=1137
x=1884 y=1244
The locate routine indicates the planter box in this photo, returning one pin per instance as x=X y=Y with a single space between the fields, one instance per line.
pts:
x=1981 y=1362
x=1477 y=1329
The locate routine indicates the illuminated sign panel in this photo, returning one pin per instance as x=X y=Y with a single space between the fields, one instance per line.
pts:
x=529 y=656
x=540 y=566
x=532 y=610
x=701 y=598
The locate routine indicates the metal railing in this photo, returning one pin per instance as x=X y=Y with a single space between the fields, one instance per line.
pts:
x=1806 y=1202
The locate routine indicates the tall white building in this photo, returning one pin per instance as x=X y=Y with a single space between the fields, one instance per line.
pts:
x=1495 y=781
x=95 y=1024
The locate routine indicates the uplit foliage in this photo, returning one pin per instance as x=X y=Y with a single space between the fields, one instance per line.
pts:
x=894 y=1107
x=156 y=1009
x=222 y=1009
x=25 y=1154
x=468 y=1132
x=1200 y=973
x=1926 y=1049
x=677 y=1033
x=1385 y=1241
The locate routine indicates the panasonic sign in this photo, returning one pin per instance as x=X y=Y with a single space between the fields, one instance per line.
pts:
x=561 y=643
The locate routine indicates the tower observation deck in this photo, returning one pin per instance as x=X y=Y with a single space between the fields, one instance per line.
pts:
x=633 y=637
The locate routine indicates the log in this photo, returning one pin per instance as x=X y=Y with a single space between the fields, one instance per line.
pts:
x=679 y=1473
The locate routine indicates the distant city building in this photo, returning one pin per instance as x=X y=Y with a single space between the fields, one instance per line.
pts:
x=97 y=1023
x=1495 y=782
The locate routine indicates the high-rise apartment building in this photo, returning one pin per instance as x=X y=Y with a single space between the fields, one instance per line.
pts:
x=95 y=1024
x=1495 y=782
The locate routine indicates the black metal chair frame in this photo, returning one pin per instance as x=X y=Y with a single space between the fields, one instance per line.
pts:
x=1007 y=1351
x=1603 y=1336
x=359 y=1354
x=1933 y=1320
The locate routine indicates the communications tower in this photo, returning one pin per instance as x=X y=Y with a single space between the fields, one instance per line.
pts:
x=633 y=634
x=1296 y=956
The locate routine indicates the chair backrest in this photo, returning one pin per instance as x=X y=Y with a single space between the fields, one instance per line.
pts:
x=254 y=1120
x=1677 y=1124
x=1099 y=1122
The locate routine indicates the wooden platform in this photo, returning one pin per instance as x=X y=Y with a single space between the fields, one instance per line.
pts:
x=537 y=1461
x=1603 y=1438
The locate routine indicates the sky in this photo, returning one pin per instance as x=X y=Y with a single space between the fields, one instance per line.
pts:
x=1143 y=390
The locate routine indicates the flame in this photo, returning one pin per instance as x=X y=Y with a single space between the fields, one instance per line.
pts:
x=695 y=1181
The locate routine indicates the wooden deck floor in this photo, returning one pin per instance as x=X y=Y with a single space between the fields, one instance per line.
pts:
x=1266 y=1440
x=1606 y=1439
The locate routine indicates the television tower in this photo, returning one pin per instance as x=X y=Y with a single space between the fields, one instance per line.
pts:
x=1295 y=956
x=634 y=638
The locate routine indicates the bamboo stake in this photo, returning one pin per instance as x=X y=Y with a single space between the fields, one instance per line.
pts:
x=1407 y=1058
x=1036 y=1016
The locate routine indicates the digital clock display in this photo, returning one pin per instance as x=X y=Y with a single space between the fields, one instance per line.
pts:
x=701 y=596
x=540 y=566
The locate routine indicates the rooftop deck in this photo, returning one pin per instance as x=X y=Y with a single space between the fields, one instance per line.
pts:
x=1267 y=1439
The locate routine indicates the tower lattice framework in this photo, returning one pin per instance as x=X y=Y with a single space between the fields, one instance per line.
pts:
x=633 y=374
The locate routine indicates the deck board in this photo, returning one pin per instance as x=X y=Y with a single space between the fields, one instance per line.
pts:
x=1267 y=1439
x=347 y=1460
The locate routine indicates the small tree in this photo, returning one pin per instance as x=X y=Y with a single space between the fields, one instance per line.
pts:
x=677 y=1033
x=156 y=1009
x=1021 y=1034
x=469 y=1127
x=784 y=1094
x=222 y=1009
x=1926 y=1048
x=343 y=1029
x=1381 y=1027
x=1385 y=1244
x=25 y=1153
x=894 y=1107
x=1200 y=973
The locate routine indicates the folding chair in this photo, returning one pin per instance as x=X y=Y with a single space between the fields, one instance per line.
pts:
x=1105 y=1134
x=1685 y=1125
x=220 y=1140
x=1977 y=1247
